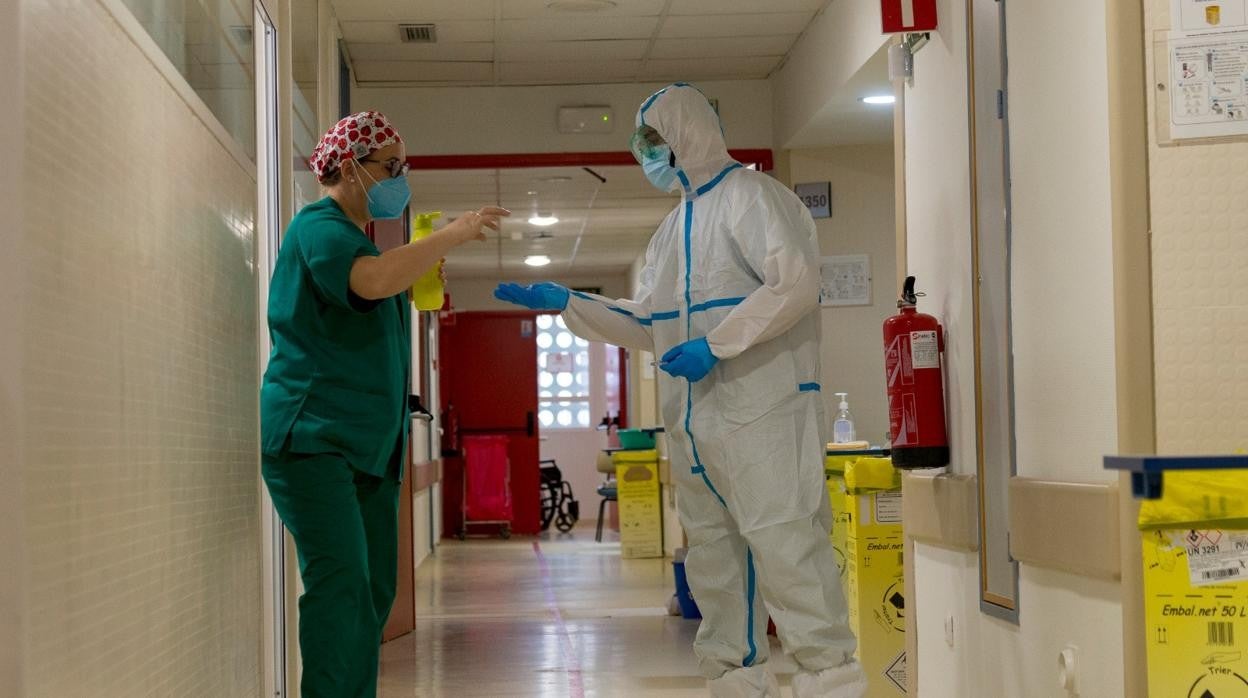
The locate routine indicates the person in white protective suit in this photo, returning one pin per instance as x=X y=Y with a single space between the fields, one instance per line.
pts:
x=729 y=299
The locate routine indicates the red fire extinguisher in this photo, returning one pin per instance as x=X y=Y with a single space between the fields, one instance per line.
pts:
x=913 y=343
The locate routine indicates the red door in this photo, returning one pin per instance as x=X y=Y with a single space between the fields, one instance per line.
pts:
x=489 y=374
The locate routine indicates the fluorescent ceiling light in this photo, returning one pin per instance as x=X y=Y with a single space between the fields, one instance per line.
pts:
x=537 y=260
x=879 y=99
x=543 y=221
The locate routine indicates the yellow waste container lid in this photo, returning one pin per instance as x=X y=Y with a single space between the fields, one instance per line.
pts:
x=870 y=475
x=835 y=465
x=1199 y=499
x=648 y=455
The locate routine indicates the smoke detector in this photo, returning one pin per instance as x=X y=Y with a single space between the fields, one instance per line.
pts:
x=418 y=33
x=580 y=5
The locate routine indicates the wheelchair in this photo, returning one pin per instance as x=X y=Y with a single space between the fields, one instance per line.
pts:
x=559 y=506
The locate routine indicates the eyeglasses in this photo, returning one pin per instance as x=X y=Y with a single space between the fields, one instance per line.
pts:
x=395 y=166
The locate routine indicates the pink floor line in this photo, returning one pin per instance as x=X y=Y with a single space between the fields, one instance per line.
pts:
x=571 y=660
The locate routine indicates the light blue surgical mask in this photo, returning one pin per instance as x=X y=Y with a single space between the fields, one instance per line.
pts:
x=659 y=170
x=388 y=198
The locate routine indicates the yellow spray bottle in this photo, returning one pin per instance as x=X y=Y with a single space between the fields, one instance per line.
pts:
x=427 y=292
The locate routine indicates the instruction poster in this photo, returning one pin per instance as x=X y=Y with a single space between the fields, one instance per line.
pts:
x=845 y=281
x=1188 y=17
x=1209 y=85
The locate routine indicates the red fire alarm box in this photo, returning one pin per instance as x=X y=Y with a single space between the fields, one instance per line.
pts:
x=902 y=16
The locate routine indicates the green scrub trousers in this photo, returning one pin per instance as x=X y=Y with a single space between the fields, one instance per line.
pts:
x=345 y=526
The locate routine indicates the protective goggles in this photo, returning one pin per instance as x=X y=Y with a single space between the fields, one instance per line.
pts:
x=647 y=145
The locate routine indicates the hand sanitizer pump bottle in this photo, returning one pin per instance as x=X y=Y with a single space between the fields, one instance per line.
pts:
x=843 y=427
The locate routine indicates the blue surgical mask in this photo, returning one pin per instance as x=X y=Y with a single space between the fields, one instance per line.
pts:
x=658 y=170
x=388 y=198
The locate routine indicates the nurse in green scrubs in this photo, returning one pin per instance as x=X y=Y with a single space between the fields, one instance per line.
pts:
x=334 y=414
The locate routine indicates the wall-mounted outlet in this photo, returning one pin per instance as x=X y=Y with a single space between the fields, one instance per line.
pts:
x=1068 y=670
x=949 y=630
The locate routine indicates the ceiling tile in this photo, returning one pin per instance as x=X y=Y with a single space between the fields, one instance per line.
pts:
x=702 y=8
x=576 y=28
x=474 y=51
x=529 y=9
x=585 y=72
x=710 y=48
x=740 y=25
x=743 y=67
x=413 y=10
x=423 y=71
x=388 y=32
x=606 y=50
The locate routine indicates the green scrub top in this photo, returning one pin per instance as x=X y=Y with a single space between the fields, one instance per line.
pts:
x=340 y=370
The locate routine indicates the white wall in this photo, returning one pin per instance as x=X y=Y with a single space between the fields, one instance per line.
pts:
x=862 y=222
x=1063 y=280
x=12 y=328
x=814 y=76
x=1063 y=334
x=140 y=495
x=477 y=120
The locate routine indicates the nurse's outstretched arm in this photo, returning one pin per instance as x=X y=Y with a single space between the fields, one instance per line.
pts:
x=777 y=238
x=394 y=271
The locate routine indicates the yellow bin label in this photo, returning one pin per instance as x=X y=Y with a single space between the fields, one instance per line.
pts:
x=1196 y=620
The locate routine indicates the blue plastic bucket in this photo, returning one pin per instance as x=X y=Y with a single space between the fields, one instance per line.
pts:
x=688 y=608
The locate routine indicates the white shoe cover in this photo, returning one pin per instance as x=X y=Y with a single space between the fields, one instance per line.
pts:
x=750 y=682
x=846 y=681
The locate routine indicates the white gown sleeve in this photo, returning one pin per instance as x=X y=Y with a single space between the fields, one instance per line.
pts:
x=777 y=238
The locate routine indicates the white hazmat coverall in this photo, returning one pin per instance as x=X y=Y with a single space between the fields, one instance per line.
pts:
x=737 y=262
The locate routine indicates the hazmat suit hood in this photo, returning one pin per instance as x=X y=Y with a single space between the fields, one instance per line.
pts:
x=684 y=117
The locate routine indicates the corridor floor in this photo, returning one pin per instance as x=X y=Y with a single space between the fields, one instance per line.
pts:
x=553 y=616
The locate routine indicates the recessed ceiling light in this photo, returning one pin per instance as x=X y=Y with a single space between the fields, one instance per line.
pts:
x=543 y=220
x=580 y=5
x=879 y=99
x=537 y=260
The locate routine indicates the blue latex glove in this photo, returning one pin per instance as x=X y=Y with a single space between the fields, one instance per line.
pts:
x=692 y=360
x=543 y=296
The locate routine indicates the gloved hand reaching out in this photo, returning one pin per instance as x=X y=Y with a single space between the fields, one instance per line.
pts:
x=542 y=296
x=692 y=360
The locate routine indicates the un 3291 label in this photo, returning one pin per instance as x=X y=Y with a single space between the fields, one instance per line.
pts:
x=1214 y=557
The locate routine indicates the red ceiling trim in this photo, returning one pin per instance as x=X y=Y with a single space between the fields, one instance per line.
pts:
x=759 y=156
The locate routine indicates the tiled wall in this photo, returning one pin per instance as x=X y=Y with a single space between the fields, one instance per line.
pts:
x=1200 y=254
x=141 y=493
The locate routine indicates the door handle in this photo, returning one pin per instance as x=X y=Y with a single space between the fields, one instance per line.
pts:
x=530 y=425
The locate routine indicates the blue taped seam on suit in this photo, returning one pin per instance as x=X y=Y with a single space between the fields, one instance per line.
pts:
x=749 y=604
x=654 y=97
x=646 y=321
x=699 y=468
x=719 y=303
x=718 y=178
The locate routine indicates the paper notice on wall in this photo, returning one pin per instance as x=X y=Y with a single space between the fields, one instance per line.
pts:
x=1209 y=86
x=845 y=280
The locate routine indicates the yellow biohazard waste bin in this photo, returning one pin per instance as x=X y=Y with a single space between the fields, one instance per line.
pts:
x=1195 y=544
x=641 y=509
x=867 y=535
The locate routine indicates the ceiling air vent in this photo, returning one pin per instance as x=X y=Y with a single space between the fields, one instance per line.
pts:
x=418 y=33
